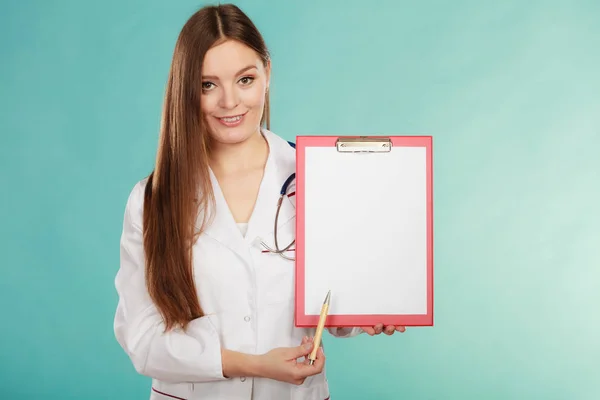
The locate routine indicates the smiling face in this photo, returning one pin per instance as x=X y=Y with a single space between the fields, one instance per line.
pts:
x=234 y=83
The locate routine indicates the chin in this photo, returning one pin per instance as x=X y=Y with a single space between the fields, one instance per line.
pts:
x=232 y=137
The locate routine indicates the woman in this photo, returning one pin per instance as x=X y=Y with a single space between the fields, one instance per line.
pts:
x=203 y=309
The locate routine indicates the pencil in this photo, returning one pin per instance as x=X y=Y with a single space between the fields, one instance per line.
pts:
x=320 y=327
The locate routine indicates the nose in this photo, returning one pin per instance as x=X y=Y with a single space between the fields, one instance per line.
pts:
x=229 y=98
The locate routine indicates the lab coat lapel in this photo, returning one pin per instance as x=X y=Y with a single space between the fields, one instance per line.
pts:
x=223 y=227
x=262 y=222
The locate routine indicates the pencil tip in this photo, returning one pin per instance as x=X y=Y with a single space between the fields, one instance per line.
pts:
x=328 y=297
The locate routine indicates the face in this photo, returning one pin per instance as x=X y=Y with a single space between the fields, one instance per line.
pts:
x=234 y=83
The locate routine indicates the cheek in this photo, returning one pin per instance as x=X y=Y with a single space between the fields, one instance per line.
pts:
x=208 y=104
x=254 y=97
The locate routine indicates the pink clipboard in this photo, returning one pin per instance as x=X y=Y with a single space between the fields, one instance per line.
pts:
x=364 y=230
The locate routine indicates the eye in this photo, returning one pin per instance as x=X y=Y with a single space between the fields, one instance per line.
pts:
x=246 y=80
x=207 y=85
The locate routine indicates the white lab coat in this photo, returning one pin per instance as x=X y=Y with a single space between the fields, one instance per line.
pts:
x=247 y=295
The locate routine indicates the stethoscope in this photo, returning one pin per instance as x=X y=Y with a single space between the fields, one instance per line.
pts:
x=282 y=194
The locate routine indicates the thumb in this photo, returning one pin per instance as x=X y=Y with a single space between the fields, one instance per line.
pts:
x=302 y=350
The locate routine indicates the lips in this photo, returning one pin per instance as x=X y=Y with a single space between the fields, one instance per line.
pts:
x=231 y=120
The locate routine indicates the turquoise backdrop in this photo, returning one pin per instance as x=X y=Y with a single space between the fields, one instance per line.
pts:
x=509 y=90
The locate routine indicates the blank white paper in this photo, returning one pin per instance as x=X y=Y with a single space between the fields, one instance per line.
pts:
x=365 y=231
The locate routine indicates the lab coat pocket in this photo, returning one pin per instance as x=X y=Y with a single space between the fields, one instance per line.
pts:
x=275 y=273
x=286 y=239
x=314 y=388
x=170 y=391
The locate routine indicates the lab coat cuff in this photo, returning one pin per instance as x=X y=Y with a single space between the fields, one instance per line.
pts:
x=345 y=332
x=212 y=362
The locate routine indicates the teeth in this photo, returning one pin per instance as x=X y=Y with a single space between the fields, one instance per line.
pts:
x=232 y=119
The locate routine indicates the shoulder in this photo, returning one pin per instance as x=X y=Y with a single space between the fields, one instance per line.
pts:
x=283 y=150
x=134 y=206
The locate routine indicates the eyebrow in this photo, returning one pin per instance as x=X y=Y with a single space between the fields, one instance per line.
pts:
x=239 y=72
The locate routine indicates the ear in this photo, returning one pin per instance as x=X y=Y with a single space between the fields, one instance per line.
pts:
x=268 y=73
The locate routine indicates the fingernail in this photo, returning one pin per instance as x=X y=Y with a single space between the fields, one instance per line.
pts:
x=307 y=346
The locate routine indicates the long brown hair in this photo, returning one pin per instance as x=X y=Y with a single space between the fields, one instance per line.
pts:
x=178 y=190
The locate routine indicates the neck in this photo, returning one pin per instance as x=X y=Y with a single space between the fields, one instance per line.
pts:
x=239 y=157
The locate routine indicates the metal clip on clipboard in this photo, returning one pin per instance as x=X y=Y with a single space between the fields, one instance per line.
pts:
x=364 y=144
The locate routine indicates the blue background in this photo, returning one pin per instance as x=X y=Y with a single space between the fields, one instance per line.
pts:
x=509 y=90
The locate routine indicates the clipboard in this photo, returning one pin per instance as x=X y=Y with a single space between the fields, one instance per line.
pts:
x=364 y=230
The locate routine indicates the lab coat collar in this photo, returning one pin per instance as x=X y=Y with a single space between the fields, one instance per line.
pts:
x=280 y=164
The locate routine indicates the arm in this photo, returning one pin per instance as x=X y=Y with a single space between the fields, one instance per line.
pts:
x=175 y=356
x=240 y=364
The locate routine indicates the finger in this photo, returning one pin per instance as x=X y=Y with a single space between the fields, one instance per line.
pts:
x=389 y=330
x=320 y=360
x=317 y=355
x=305 y=340
x=378 y=328
x=400 y=328
x=317 y=365
x=300 y=351
x=368 y=330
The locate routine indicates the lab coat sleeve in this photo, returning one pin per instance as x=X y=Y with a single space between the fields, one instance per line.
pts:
x=345 y=332
x=193 y=355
